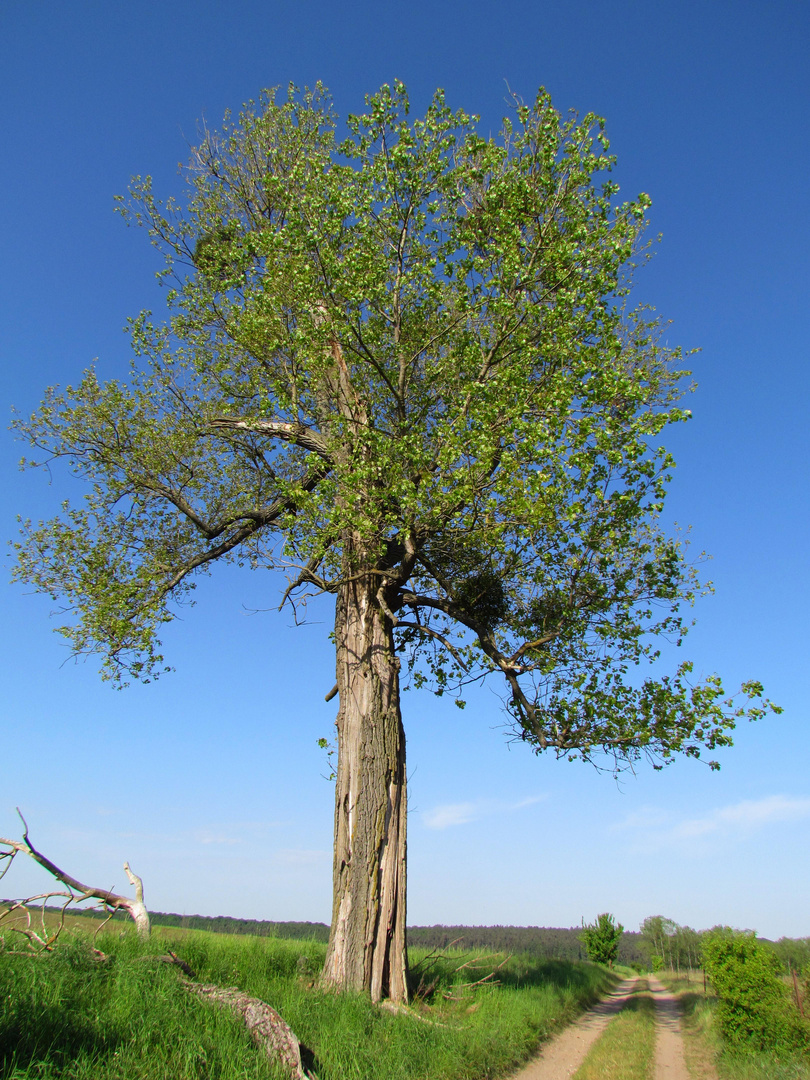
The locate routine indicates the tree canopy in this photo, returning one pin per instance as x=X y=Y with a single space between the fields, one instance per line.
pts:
x=400 y=365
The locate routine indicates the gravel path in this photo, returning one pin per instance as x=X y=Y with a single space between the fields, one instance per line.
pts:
x=561 y=1058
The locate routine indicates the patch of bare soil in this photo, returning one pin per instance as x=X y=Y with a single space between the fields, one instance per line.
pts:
x=669 y=1058
x=561 y=1058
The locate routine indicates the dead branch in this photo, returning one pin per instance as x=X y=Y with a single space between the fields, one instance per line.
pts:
x=487 y=979
x=172 y=958
x=470 y=963
x=405 y=1010
x=435 y=954
x=423 y=991
x=78 y=892
x=267 y=1028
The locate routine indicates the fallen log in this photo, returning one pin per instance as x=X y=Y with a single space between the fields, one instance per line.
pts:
x=267 y=1028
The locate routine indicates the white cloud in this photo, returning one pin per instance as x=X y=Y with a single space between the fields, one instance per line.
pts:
x=531 y=800
x=754 y=812
x=730 y=821
x=443 y=817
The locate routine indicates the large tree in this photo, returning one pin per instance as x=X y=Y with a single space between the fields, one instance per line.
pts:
x=399 y=364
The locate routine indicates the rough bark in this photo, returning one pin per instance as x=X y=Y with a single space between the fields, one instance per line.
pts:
x=267 y=1028
x=367 y=949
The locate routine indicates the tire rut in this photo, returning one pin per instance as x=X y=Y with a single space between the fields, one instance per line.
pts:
x=561 y=1057
x=564 y=1054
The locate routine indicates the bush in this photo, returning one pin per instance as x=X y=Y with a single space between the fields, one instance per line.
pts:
x=754 y=1007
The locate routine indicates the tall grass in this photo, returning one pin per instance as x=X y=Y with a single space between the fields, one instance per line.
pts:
x=69 y=1015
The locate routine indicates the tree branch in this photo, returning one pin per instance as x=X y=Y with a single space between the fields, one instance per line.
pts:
x=439 y=637
x=136 y=908
x=253 y=521
x=296 y=433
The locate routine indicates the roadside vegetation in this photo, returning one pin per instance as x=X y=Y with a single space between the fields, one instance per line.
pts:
x=70 y=1014
x=745 y=1026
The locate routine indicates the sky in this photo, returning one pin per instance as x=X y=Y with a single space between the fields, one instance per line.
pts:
x=211 y=782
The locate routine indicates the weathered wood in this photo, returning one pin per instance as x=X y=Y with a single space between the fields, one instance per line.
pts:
x=267 y=1028
x=136 y=908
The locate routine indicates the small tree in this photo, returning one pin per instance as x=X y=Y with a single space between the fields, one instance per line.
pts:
x=601 y=939
x=401 y=368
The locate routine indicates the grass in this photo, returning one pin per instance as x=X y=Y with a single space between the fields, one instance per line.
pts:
x=708 y=1058
x=68 y=1015
x=625 y=1050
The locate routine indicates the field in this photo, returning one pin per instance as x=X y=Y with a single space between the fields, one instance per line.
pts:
x=72 y=1015
x=110 y=1008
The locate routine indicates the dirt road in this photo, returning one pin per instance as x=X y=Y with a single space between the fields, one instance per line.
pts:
x=561 y=1058
x=563 y=1055
x=669 y=1059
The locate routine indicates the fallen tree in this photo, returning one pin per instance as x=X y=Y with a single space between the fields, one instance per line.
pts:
x=267 y=1028
x=76 y=892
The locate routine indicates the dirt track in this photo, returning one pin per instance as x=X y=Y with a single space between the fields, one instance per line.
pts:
x=562 y=1057
x=669 y=1059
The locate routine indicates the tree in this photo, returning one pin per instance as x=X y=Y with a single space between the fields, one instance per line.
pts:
x=400 y=366
x=601 y=939
x=658 y=934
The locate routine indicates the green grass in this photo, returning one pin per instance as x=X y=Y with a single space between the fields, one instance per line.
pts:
x=68 y=1015
x=625 y=1050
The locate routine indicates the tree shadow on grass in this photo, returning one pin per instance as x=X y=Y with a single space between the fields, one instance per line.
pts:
x=557 y=973
x=50 y=1034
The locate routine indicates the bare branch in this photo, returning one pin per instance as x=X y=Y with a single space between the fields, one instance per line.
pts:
x=136 y=908
x=296 y=433
x=306 y=576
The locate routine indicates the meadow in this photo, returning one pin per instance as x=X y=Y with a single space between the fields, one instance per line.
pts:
x=70 y=1014
x=106 y=1006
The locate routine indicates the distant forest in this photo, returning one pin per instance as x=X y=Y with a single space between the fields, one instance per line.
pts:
x=543 y=942
x=681 y=945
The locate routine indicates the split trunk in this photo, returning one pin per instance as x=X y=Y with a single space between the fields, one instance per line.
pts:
x=367 y=949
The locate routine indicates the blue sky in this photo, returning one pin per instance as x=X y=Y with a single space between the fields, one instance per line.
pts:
x=210 y=781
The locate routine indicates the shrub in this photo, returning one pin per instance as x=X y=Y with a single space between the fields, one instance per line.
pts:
x=754 y=1007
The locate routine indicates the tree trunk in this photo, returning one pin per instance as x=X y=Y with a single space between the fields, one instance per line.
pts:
x=367 y=949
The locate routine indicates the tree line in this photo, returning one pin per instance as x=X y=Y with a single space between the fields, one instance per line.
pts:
x=660 y=942
x=666 y=944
